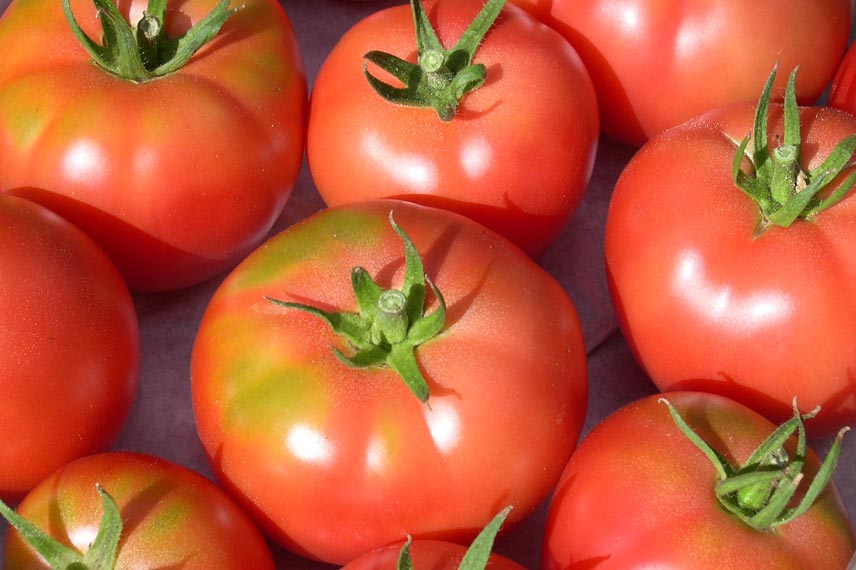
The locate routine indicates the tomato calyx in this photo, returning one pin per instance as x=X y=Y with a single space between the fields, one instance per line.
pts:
x=759 y=492
x=779 y=185
x=442 y=77
x=391 y=323
x=101 y=554
x=144 y=52
x=477 y=555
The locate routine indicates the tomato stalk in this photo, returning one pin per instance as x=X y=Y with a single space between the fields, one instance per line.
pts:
x=145 y=52
x=101 y=555
x=477 y=555
x=441 y=77
x=783 y=190
x=390 y=324
x=759 y=492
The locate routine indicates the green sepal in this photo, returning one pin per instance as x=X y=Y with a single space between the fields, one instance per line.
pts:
x=102 y=553
x=478 y=553
x=779 y=186
x=382 y=335
x=440 y=78
x=405 y=562
x=760 y=491
x=143 y=52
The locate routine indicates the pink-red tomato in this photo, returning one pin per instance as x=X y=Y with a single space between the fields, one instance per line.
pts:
x=705 y=303
x=336 y=461
x=426 y=555
x=843 y=93
x=518 y=155
x=69 y=346
x=658 y=63
x=172 y=517
x=638 y=494
x=177 y=178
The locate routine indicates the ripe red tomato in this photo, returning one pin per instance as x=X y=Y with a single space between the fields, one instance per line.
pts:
x=843 y=93
x=709 y=303
x=176 y=178
x=658 y=63
x=639 y=494
x=516 y=157
x=171 y=517
x=69 y=346
x=335 y=461
x=426 y=555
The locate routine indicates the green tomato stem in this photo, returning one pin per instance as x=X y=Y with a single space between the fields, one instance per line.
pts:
x=441 y=77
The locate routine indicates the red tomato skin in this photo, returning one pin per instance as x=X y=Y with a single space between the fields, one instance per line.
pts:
x=658 y=63
x=426 y=555
x=706 y=306
x=146 y=169
x=842 y=95
x=517 y=157
x=69 y=346
x=172 y=517
x=334 y=462
x=638 y=494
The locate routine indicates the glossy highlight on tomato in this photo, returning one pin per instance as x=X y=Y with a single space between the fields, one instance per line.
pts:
x=518 y=154
x=177 y=178
x=69 y=346
x=334 y=461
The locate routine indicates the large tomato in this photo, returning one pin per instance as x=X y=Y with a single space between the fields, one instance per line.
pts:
x=713 y=296
x=843 y=92
x=177 y=177
x=658 y=63
x=170 y=517
x=516 y=157
x=334 y=460
x=639 y=494
x=69 y=346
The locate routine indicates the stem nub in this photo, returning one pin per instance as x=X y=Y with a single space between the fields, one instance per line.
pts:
x=442 y=77
x=759 y=492
x=778 y=184
x=391 y=323
x=145 y=52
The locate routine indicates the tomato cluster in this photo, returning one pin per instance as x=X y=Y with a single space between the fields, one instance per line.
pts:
x=516 y=223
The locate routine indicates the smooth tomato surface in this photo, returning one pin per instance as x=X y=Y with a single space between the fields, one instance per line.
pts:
x=69 y=346
x=176 y=178
x=172 y=517
x=658 y=63
x=335 y=461
x=516 y=158
x=638 y=494
x=843 y=93
x=707 y=306
x=426 y=555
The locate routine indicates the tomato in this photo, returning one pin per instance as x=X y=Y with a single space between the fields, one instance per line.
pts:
x=638 y=494
x=843 y=93
x=709 y=302
x=426 y=555
x=177 y=178
x=171 y=517
x=516 y=157
x=658 y=63
x=334 y=461
x=69 y=346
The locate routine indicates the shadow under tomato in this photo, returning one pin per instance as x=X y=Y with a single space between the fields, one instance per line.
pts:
x=533 y=233
x=145 y=262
